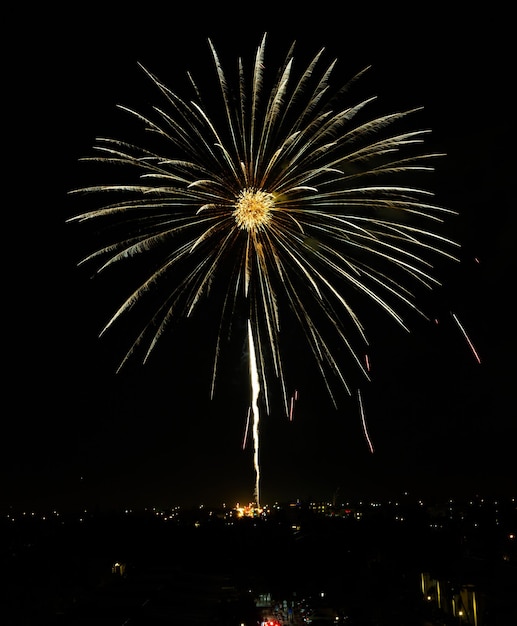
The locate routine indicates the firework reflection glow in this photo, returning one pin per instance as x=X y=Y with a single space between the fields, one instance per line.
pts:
x=292 y=205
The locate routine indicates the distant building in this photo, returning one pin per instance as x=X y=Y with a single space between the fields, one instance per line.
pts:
x=462 y=602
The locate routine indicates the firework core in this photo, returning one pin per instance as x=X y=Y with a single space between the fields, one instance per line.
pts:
x=253 y=208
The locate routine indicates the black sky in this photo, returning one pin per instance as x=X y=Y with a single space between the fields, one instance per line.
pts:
x=77 y=434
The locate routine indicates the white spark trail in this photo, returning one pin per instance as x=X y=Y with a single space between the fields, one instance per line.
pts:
x=363 y=421
x=246 y=430
x=460 y=326
x=255 y=390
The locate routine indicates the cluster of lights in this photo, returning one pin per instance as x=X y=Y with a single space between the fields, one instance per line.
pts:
x=452 y=510
x=250 y=510
x=171 y=514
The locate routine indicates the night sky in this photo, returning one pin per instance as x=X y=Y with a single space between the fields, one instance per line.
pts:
x=77 y=434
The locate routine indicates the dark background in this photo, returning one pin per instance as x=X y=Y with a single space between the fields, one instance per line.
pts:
x=77 y=434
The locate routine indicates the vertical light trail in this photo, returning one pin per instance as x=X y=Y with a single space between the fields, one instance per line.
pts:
x=255 y=390
x=460 y=326
x=363 y=421
x=291 y=410
x=245 y=438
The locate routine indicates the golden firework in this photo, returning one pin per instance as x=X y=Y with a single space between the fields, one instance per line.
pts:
x=293 y=192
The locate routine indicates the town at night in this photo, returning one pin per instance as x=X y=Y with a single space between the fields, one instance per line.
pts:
x=405 y=562
x=259 y=337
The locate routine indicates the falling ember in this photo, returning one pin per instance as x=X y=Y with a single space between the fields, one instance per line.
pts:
x=246 y=430
x=367 y=362
x=255 y=390
x=363 y=422
x=294 y=397
x=460 y=326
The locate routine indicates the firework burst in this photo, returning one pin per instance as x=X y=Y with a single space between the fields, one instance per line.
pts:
x=291 y=201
